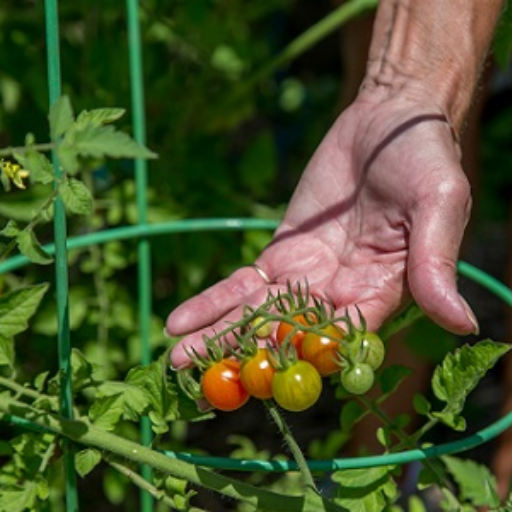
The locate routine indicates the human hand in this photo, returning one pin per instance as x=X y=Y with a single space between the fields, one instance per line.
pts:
x=377 y=218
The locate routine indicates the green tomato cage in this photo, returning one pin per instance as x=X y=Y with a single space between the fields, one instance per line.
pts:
x=143 y=232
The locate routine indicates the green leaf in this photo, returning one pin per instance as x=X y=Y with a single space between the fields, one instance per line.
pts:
x=17 y=307
x=392 y=376
x=106 y=411
x=151 y=378
x=86 y=460
x=136 y=400
x=459 y=374
x=11 y=229
x=29 y=246
x=100 y=116
x=416 y=505
x=97 y=141
x=76 y=196
x=61 y=117
x=6 y=351
x=68 y=158
x=421 y=404
x=41 y=169
x=82 y=370
x=476 y=483
x=365 y=489
x=351 y=413
x=18 y=498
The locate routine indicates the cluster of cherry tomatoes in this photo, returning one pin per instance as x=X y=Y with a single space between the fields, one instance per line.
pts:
x=285 y=358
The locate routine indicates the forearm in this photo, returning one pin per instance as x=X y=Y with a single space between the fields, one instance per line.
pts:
x=432 y=47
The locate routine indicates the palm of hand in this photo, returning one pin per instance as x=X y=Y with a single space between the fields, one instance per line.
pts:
x=379 y=213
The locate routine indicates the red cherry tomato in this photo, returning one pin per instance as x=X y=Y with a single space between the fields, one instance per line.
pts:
x=257 y=374
x=222 y=387
x=297 y=387
x=284 y=330
x=322 y=351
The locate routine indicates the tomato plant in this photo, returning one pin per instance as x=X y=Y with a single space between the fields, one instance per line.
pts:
x=287 y=331
x=297 y=386
x=257 y=374
x=222 y=387
x=322 y=350
x=358 y=378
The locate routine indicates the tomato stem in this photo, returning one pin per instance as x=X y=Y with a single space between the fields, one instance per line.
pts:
x=292 y=444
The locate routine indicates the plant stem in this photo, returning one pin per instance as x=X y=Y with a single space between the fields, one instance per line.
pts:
x=140 y=482
x=21 y=390
x=48 y=146
x=292 y=444
x=88 y=435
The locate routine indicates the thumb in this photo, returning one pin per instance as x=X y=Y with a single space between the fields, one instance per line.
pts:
x=437 y=228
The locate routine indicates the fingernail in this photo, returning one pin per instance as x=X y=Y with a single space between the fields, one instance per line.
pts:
x=471 y=316
x=166 y=333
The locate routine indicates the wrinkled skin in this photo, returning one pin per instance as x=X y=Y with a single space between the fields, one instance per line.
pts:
x=377 y=217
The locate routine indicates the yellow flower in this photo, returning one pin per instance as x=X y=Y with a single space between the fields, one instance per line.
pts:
x=15 y=173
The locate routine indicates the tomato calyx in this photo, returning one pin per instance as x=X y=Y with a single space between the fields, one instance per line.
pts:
x=363 y=346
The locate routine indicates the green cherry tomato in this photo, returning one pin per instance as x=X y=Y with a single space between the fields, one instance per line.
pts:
x=263 y=330
x=373 y=350
x=222 y=387
x=358 y=378
x=297 y=387
x=257 y=374
x=322 y=351
x=370 y=350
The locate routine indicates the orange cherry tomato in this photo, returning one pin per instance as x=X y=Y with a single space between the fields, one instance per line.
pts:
x=257 y=374
x=322 y=351
x=222 y=387
x=284 y=330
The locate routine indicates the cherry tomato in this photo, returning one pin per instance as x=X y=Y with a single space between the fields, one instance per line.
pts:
x=257 y=373
x=284 y=329
x=358 y=378
x=372 y=350
x=297 y=387
x=322 y=351
x=263 y=330
x=222 y=387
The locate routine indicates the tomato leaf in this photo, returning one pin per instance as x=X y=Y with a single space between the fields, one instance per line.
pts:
x=391 y=377
x=476 y=483
x=17 y=307
x=459 y=374
x=29 y=246
x=11 y=229
x=99 y=116
x=86 y=460
x=365 y=489
x=106 y=411
x=6 y=351
x=97 y=141
x=76 y=196
x=351 y=413
x=41 y=169
x=61 y=117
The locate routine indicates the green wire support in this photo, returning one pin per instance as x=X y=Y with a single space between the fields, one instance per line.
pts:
x=143 y=247
x=61 y=267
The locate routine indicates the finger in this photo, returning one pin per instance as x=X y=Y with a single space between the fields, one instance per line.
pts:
x=180 y=355
x=435 y=238
x=215 y=302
